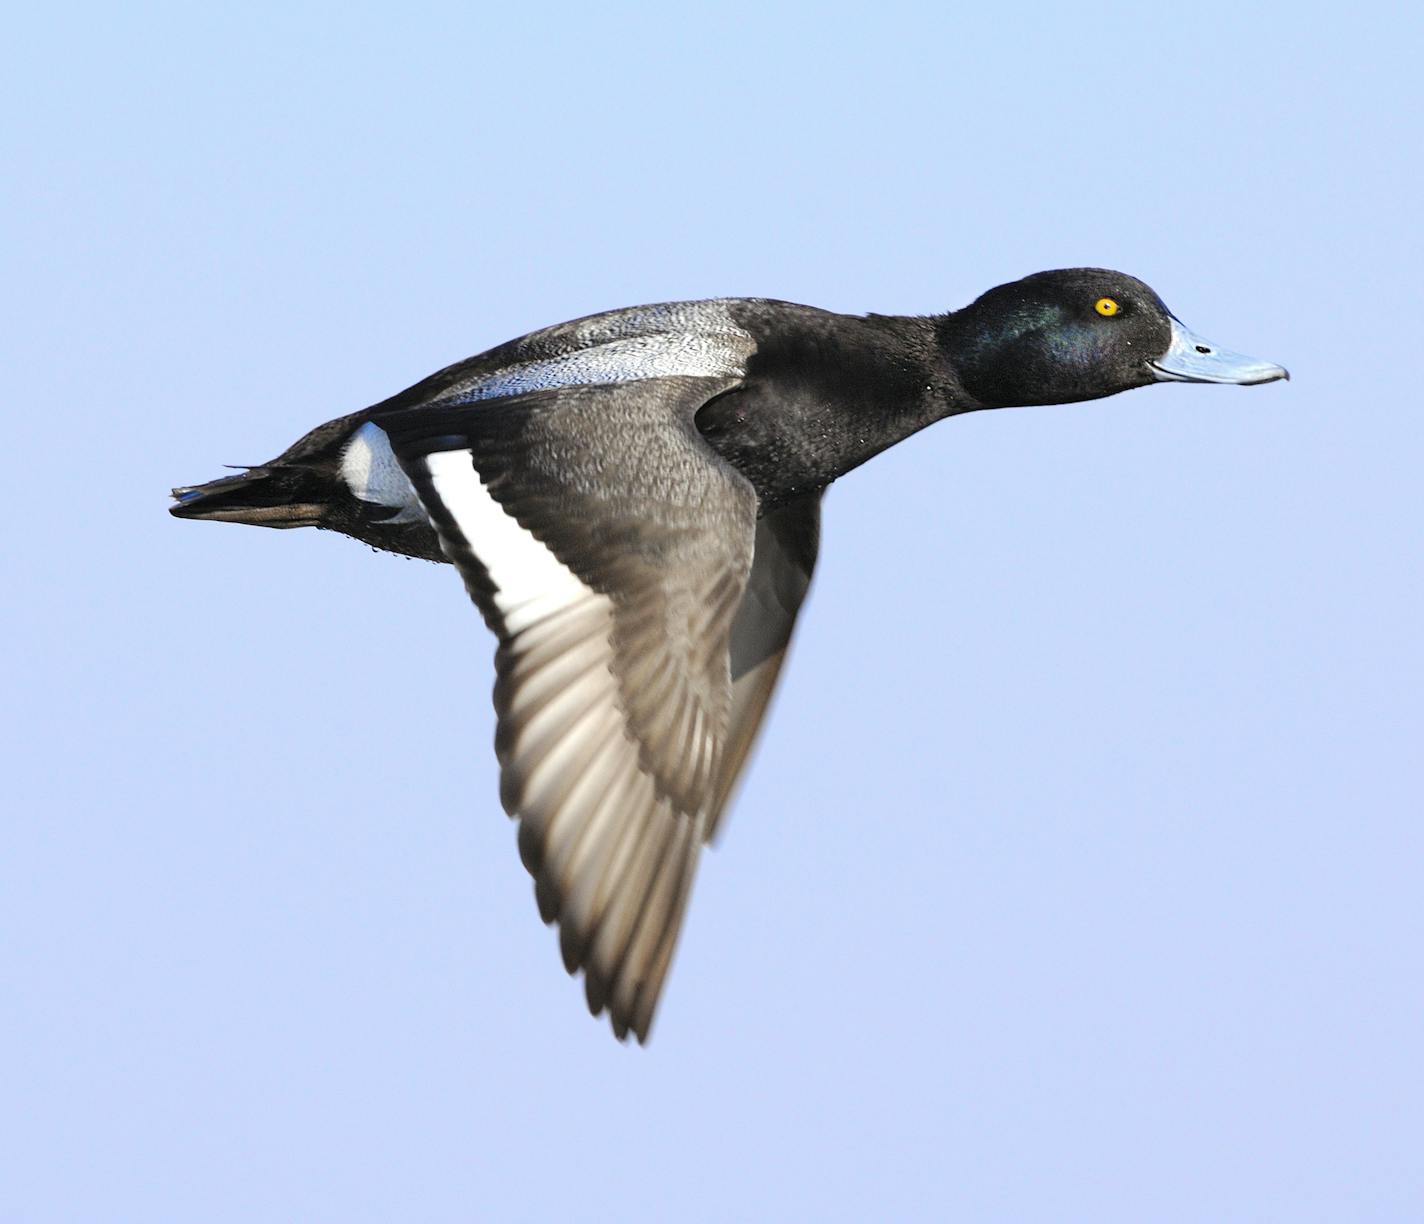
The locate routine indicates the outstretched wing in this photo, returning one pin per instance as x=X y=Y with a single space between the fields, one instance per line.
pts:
x=787 y=541
x=608 y=547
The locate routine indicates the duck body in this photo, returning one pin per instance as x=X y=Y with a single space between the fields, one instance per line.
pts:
x=795 y=420
x=633 y=501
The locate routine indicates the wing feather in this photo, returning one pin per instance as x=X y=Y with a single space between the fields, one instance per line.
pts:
x=613 y=591
x=787 y=542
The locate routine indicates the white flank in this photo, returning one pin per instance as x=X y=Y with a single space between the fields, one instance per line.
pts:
x=371 y=472
x=531 y=581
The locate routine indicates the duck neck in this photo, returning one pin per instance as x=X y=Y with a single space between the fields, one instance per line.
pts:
x=824 y=394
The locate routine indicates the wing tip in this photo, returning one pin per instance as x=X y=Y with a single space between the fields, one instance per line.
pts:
x=629 y=1005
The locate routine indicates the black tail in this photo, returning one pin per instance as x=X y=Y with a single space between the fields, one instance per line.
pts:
x=269 y=496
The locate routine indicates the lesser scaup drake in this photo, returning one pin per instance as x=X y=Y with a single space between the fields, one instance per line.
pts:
x=633 y=501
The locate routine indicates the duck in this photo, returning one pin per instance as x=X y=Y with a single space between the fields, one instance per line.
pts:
x=632 y=500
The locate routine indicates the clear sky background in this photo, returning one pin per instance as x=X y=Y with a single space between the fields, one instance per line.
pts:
x=1078 y=877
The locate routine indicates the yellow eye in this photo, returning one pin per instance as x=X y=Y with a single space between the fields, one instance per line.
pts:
x=1106 y=307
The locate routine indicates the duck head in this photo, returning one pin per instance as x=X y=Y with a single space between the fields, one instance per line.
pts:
x=1079 y=334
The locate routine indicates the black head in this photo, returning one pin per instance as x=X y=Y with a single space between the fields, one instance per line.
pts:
x=1078 y=334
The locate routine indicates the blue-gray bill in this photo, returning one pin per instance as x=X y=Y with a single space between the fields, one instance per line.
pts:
x=1189 y=358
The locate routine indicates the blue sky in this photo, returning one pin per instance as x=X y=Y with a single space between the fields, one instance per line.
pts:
x=1078 y=875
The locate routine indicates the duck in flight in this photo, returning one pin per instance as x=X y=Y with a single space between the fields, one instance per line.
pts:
x=633 y=502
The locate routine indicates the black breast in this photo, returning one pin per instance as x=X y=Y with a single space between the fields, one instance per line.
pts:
x=823 y=393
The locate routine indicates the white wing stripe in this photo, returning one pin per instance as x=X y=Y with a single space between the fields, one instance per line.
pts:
x=530 y=581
